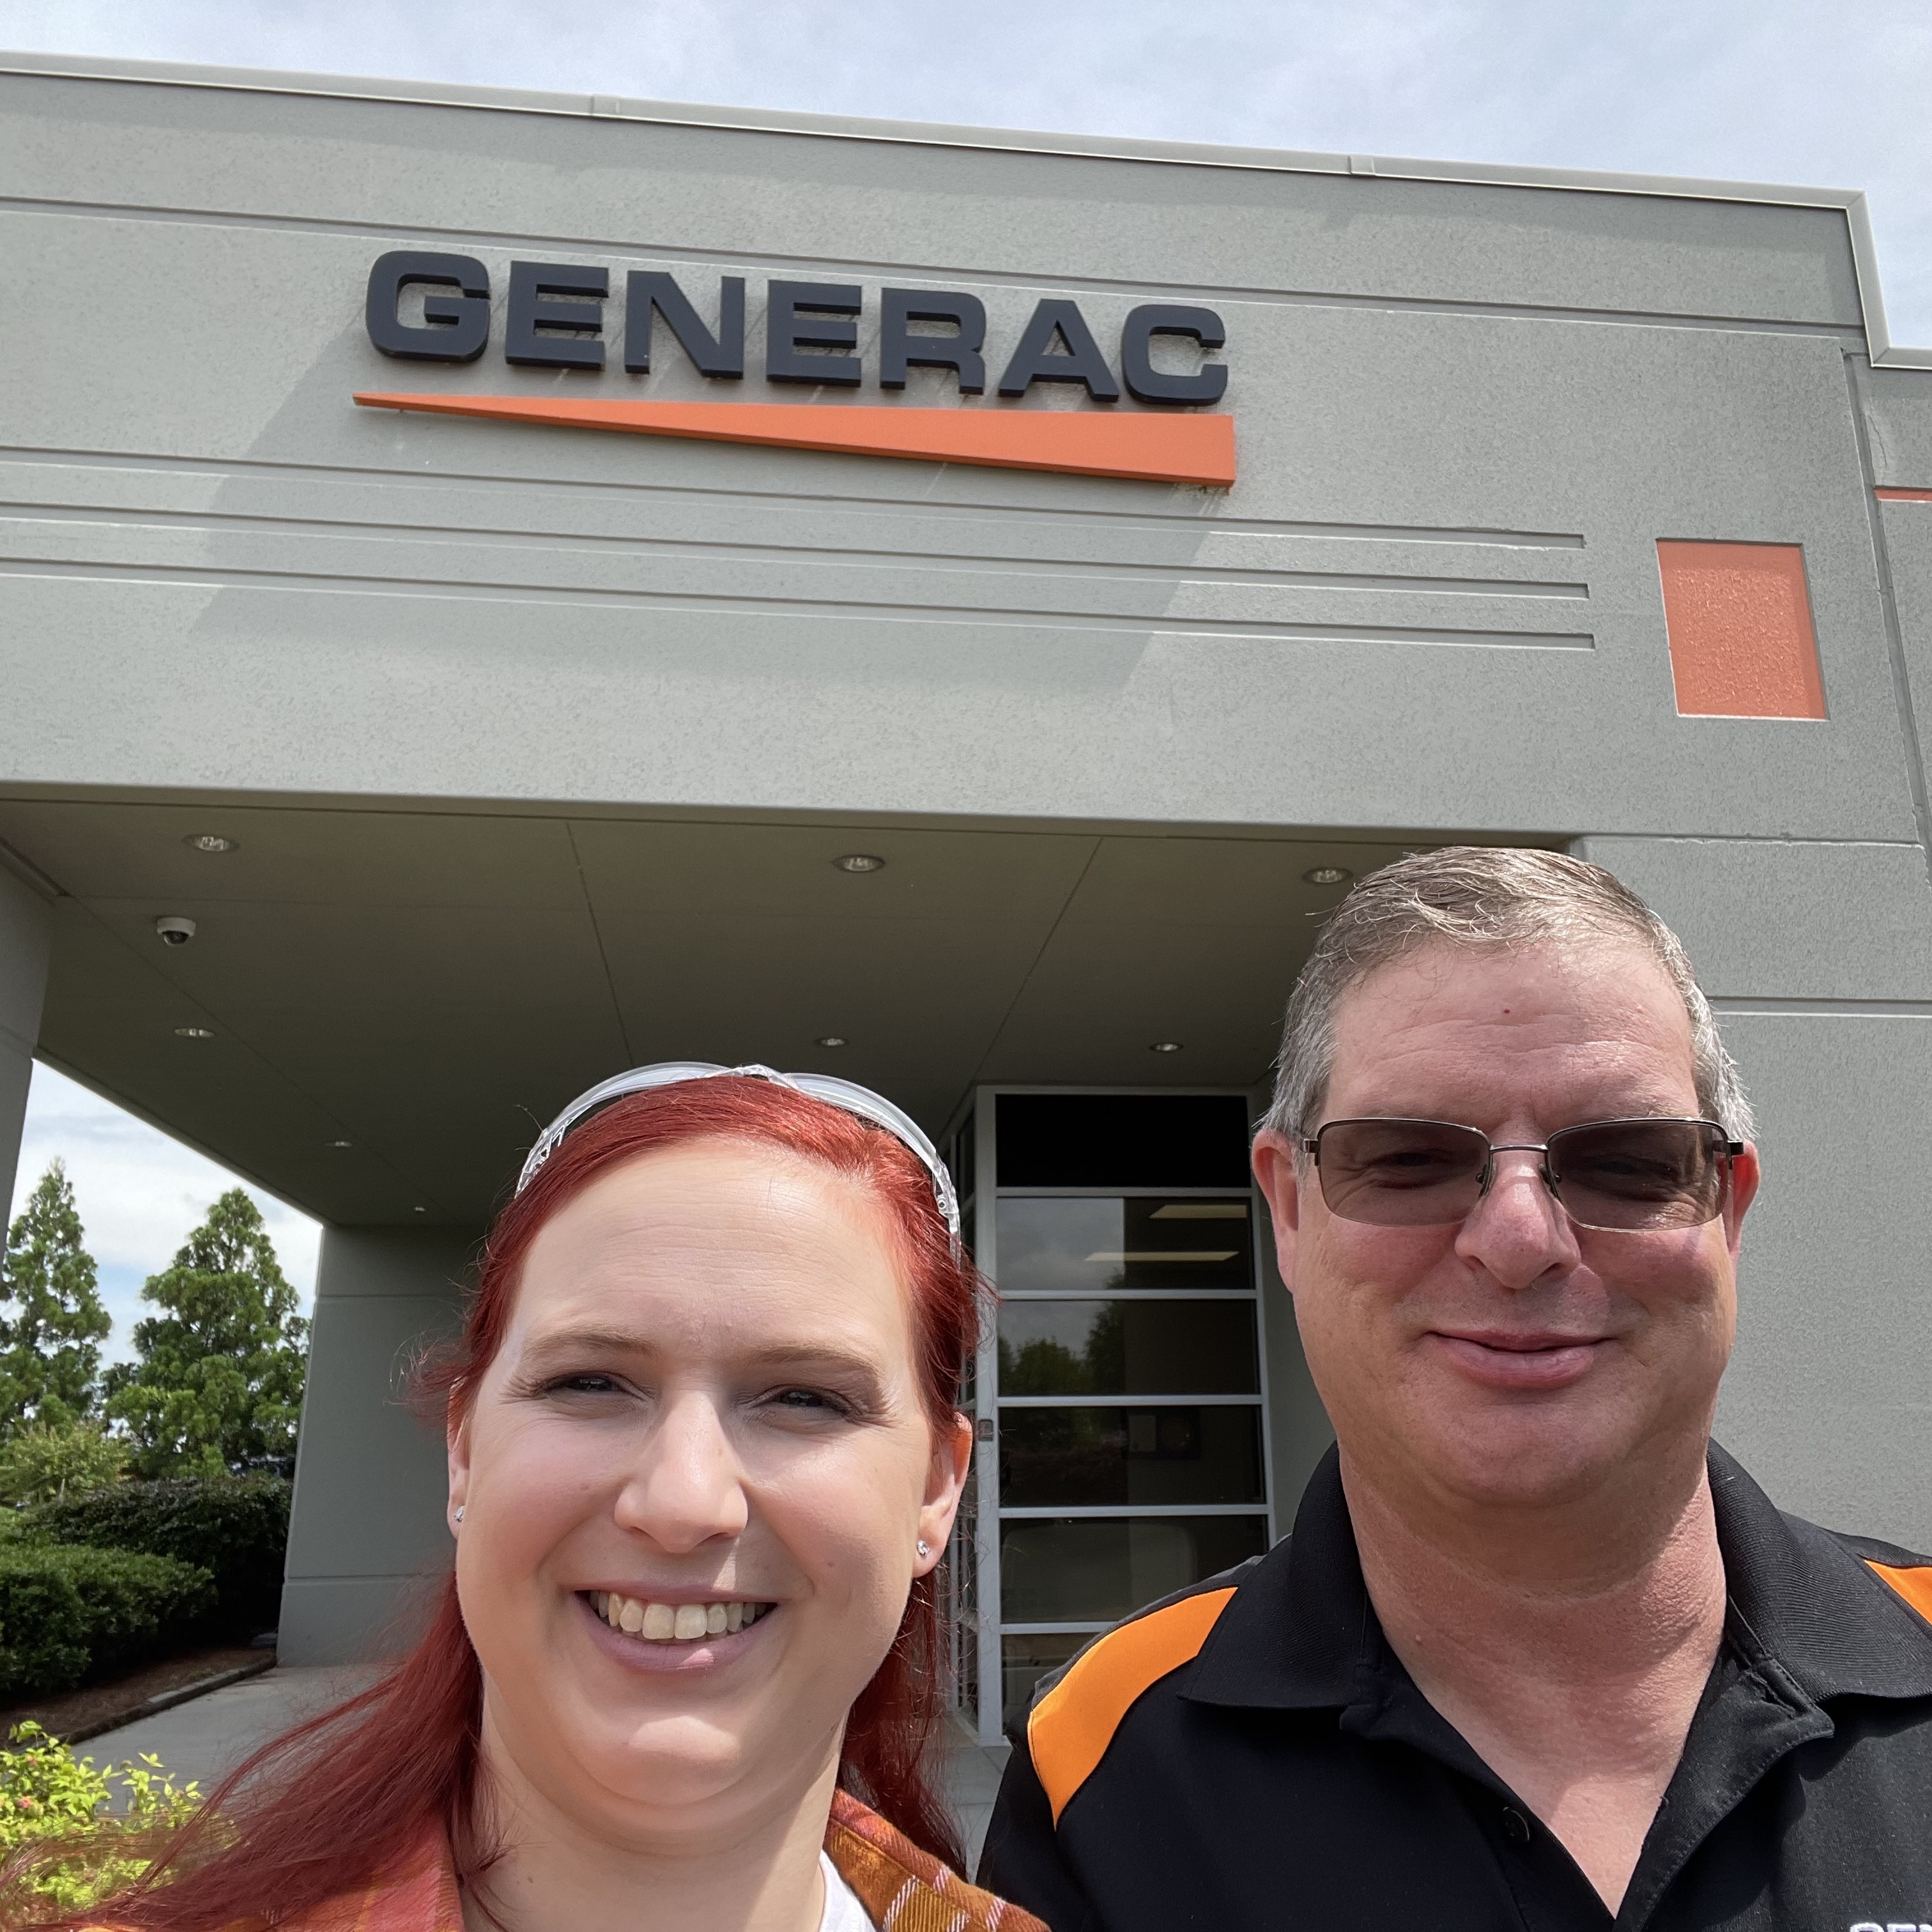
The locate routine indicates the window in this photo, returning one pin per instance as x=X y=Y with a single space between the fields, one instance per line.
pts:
x=1129 y=1458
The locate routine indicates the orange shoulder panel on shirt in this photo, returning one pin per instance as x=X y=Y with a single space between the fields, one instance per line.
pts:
x=1072 y=1725
x=1914 y=1585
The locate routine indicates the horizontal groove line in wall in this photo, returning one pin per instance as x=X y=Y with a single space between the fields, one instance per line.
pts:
x=1881 y=1009
x=1154 y=623
x=1771 y=840
x=817 y=267
x=215 y=525
x=239 y=467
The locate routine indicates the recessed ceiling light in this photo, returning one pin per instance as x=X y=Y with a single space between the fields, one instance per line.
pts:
x=1328 y=875
x=1165 y=1046
x=194 y=1033
x=860 y=862
x=334 y=1144
x=832 y=1040
x=422 y=1211
x=210 y=841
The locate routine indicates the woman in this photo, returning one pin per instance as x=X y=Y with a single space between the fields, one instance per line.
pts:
x=704 y=1458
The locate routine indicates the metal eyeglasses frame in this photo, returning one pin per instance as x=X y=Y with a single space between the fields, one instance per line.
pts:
x=1726 y=1148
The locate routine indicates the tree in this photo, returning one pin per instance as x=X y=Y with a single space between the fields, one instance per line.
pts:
x=52 y=1323
x=218 y=1384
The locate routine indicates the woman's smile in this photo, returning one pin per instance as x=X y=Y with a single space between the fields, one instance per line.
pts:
x=651 y=1635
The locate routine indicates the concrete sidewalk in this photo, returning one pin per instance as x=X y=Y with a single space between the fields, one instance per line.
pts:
x=972 y=1772
x=206 y=1738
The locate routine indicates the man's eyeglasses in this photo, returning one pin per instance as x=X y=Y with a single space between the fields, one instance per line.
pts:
x=1621 y=1174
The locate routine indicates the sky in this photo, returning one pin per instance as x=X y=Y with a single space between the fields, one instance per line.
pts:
x=1768 y=90
x=1829 y=95
x=139 y=1193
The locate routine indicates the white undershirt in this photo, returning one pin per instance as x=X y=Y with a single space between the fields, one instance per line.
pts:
x=843 y=1912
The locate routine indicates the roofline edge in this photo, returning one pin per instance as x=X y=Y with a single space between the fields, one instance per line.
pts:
x=1852 y=202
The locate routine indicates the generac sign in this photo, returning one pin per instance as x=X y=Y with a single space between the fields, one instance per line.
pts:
x=557 y=316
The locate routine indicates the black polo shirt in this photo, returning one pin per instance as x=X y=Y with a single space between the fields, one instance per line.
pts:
x=1251 y=1754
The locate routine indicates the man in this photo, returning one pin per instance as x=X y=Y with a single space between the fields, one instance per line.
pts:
x=1537 y=1653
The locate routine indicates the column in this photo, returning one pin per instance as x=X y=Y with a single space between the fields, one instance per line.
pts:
x=26 y=927
x=367 y=1537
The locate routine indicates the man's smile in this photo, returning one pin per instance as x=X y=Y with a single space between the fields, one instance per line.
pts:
x=1518 y=1358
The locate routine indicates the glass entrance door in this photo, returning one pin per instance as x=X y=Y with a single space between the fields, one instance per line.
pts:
x=1123 y=1381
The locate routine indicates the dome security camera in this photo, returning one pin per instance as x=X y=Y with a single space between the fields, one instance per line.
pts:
x=175 y=930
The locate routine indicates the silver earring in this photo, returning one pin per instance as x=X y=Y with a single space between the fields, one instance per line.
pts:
x=459 y=1513
x=925 y=1548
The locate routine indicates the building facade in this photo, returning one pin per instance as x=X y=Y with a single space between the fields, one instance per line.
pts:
x=1125 y=544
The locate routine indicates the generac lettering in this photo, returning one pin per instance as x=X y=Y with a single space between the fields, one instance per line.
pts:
x=556 y=316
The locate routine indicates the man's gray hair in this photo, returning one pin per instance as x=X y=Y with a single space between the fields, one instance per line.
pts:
x=1484 y=897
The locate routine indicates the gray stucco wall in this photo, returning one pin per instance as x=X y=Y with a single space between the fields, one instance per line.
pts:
x=1819 y=960
x=1430 y=600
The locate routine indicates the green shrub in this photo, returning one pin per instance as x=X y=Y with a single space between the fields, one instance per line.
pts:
x=43 y=1623
x=66 y=1610
x=45 y=1795
x=236 y=1527
x=46 y=1462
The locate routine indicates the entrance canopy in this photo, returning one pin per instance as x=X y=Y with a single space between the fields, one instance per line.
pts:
x=378 y=1009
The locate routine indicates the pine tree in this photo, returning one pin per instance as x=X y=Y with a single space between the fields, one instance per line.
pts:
x=218 y=1384
x=52 y=1322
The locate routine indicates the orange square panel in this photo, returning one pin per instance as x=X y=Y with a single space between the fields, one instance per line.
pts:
x=1739 y=620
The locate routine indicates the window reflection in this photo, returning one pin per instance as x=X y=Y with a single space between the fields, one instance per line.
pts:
x=1097 y=1569
x=1098 y=1243
x=1144 y=1455
x=1128 y=1347
x=1026 y=1659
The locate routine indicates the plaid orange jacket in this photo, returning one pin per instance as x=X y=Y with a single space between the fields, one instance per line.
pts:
x=902 y=1888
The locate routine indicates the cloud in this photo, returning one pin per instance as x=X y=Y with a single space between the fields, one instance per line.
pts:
x=139 y=1193
x=1784 y=91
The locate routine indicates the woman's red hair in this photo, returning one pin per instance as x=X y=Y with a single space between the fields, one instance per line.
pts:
x=328 y=1806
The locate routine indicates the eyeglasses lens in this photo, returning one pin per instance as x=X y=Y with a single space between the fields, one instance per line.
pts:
x=1401 y=1173
x=1622 y=1174
x=1640 y=1173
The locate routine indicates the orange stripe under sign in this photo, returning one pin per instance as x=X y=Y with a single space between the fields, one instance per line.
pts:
x=1142 y=444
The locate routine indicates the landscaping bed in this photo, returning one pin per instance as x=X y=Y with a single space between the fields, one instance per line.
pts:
x=96 y=1588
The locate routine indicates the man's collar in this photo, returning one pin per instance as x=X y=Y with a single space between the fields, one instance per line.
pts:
x=1294 y=1631
x=1300 y=1629
x=1811 y=1603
